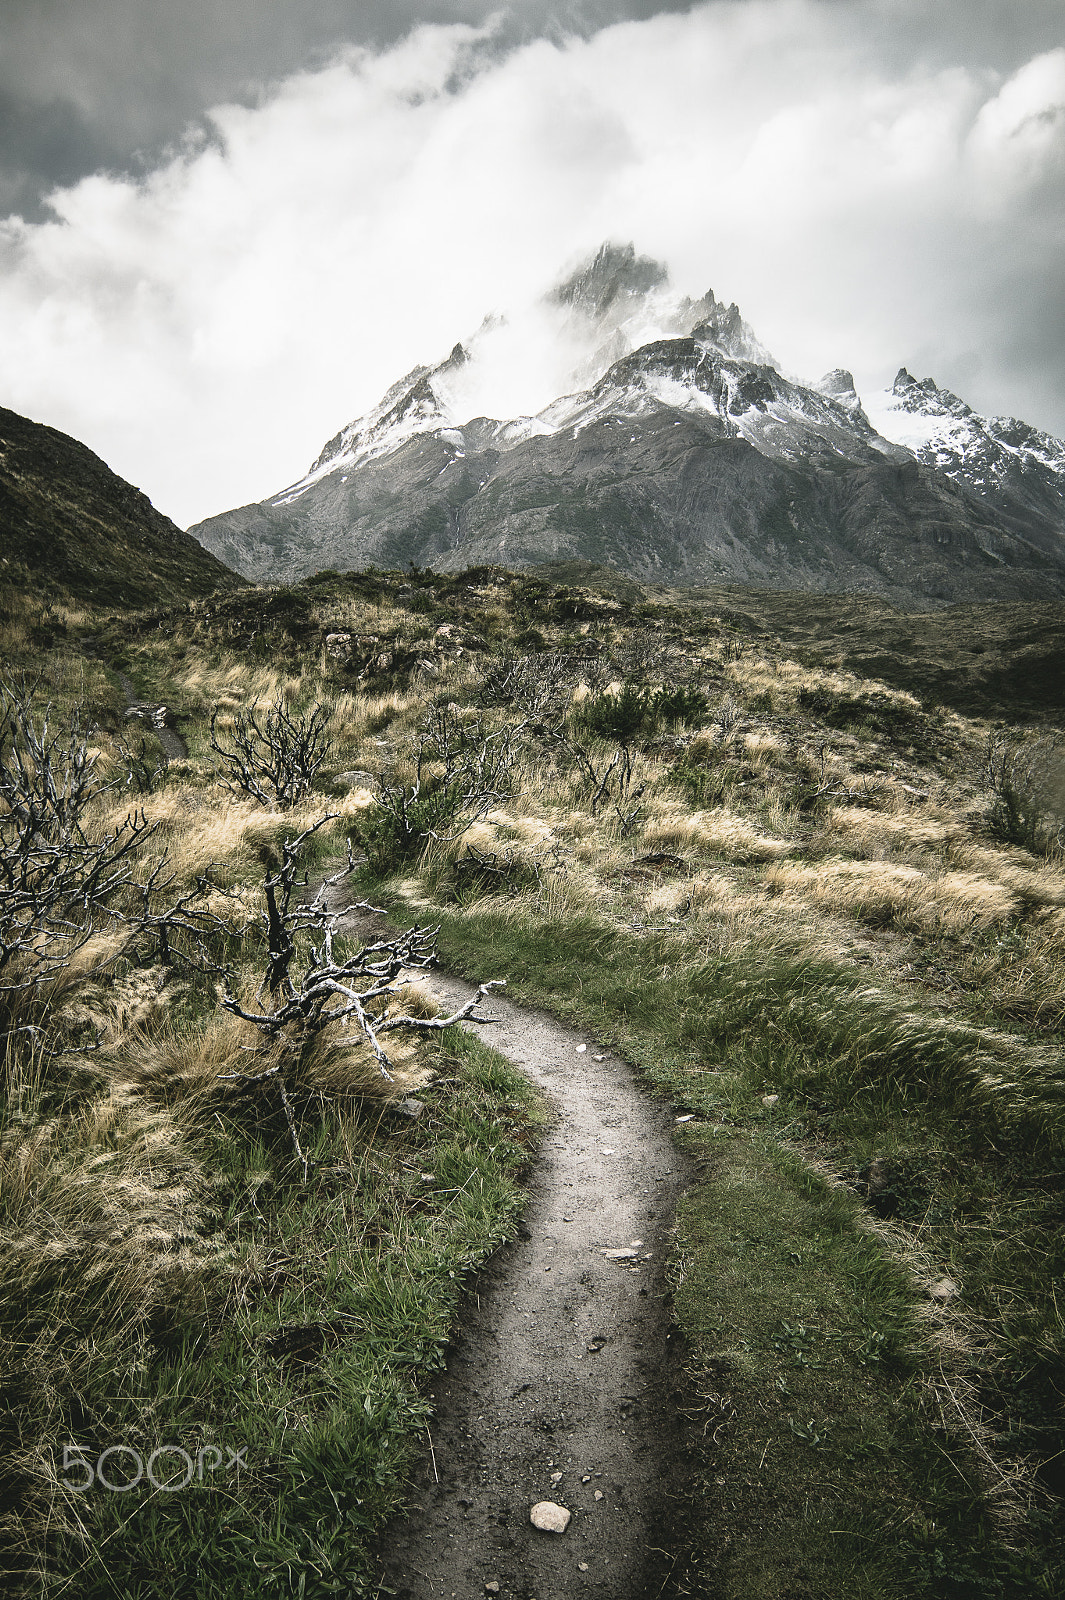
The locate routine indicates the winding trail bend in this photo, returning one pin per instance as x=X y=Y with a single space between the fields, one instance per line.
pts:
x=565 y=1381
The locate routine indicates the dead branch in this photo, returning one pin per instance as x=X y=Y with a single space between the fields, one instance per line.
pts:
x=612 y=782
x=274 y=760
x=56 y=883
x=349 y=991
x=535 y=684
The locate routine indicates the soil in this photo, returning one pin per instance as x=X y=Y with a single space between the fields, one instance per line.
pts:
x=565 y=1382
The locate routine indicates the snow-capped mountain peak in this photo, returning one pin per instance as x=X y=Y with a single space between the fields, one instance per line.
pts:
x=419 y=403
x=924 y=396
x=607 y=308
x=996 y=456
x=615 y=420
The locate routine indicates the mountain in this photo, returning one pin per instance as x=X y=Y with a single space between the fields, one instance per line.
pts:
x=677 y=452
x=72 y=528
x=1011 y=465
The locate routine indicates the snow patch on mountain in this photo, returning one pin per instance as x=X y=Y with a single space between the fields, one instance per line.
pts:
x=984 y=453
x=559 y=351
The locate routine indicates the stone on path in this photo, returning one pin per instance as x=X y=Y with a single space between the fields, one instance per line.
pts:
x=551 y=1518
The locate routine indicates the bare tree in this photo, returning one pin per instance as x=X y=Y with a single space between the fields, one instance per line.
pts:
x=274 y=759
x=352 y=990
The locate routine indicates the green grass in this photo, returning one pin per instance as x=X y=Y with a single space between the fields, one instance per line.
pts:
x=840 y=1463
x=865 y=1272
x=834 y=1468
x=301 y=1340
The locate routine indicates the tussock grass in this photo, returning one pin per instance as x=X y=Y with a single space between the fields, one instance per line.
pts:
x=798 y=922
x=904 y=830
x=895 y=892
x=720 y=831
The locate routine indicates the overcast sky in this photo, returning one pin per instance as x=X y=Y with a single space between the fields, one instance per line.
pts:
x=231 y=224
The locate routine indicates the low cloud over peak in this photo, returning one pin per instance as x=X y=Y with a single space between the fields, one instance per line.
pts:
x=204 y=325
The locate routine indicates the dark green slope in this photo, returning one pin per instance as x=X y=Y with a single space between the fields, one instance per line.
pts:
x=72 y=528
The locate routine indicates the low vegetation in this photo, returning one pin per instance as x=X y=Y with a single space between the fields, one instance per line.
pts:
x=822 y=913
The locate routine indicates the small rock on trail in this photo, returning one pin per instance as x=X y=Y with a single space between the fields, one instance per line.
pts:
x=549 y=1517
x=565 y=1378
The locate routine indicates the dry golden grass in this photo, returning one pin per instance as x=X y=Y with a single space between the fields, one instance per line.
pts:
x=906 y=829
x=885 y=891
x=137 y=998
x=114 y=1183
x=238 y=682
x=764 y=749
x=784 y=673
x=358 y=717
x=721 y=831
x=181 y=1066
x=196 y=828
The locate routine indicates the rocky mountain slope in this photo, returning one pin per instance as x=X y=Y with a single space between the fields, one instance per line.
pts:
x=1011 y=465
x=681 y=453
x=72 y=528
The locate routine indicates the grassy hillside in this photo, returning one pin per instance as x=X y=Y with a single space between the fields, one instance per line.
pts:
x=822 y=908
x=75 y=531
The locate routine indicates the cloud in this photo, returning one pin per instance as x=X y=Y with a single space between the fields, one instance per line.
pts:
x=115 y=82
x=1018 y=138
x=207 y=326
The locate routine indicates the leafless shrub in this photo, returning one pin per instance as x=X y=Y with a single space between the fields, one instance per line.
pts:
x=275 y=759
x=350 y=991
x=535 y=685
x=639 y=655
x=176 y=929
x=501 y=871
x=507 y=871
x=56 y=881
x=142 y=770
x=728 y=715
x=610 y=782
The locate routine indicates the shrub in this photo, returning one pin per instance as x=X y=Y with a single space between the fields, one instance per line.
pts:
x=461 y=770
x=352 y=991
x=275 y=760
x=875 y=715
x=535 y=684
x=639 y=710
x=56 y=880
x=1026 y=778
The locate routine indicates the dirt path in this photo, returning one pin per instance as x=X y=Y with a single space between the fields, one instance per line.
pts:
x=172 y=742
x=565 y=1379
